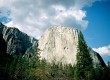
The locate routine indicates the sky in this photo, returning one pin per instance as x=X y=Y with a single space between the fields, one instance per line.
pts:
x=97 y=33
x=35 y=16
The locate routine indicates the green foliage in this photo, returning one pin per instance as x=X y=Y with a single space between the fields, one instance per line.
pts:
x=60 y=71
x=35 y=69
x=84 y=66
x=16 y=68
x=102 y=73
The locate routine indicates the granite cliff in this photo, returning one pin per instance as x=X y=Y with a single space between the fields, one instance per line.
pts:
x=14 y=42
x=59 y=44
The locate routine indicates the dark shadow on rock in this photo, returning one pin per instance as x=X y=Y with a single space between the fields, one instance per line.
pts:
x=4 y=59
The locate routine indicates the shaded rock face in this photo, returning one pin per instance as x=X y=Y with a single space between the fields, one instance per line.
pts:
x=14 y=41
x=3 y=45
x=12 y=44
x=59 y=44
x=97 y=59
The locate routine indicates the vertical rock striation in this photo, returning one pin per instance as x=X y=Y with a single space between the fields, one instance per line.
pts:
x=59 y=44
x=16 y=41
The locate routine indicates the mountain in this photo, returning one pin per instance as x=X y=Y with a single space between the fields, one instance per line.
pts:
x=14 y=42
x=59 y=44
x=20 y=53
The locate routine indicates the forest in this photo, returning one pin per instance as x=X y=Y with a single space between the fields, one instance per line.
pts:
x=34 y=68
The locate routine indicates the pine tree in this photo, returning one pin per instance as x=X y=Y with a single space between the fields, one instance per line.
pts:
x=84 y=65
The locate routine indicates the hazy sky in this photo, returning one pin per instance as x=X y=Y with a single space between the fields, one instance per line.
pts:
x=34 y=16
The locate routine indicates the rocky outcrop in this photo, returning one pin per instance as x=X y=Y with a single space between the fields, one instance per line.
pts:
x=97 y=59
x=59 y=44
x=14 y=41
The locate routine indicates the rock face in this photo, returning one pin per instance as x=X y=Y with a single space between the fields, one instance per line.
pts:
x=14 y=41
x=97 y=59
x=59 y=44
x=12 y=44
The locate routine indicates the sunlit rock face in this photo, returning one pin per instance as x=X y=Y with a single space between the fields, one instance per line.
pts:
x=59 y=44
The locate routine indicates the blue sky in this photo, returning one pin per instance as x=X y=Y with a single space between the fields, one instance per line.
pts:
x=97 y=34
x=34 y=16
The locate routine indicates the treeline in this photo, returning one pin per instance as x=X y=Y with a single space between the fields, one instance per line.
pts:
x=36 y=69
x=84 y=67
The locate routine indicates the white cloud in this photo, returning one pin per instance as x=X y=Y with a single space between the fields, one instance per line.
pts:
x=34 y=16
x=103 y=51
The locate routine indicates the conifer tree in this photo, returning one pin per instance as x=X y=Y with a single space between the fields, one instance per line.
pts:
x=84 y=65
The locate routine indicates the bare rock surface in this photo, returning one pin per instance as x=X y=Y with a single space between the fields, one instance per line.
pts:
x=16 y=42
x=59 y=44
